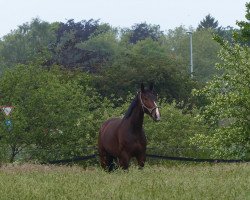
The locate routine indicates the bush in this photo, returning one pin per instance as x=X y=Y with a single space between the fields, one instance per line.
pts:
x=227 y=112
x=171 y=136
x=56 y=114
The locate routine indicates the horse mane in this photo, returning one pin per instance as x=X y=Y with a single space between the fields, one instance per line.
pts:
x=131 y=107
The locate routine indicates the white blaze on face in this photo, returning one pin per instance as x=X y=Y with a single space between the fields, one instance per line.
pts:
x=158 y=117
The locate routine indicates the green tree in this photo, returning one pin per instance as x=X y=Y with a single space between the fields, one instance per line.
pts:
x=56 y=114
x=146 y=61
x=205 y=51
x=208 y=22
x=171 y=136
x=244 y=34
x=104 y=46
x=228 y=95
x=228 y=110
x=29 y=43
x=227 y=33
x=142 y=31
x=66 y=49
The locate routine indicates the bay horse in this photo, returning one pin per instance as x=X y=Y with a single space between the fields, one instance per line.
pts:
x=121 y=139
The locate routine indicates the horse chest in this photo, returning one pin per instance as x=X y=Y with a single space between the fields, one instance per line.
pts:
x=133 y=144
x=137 y=147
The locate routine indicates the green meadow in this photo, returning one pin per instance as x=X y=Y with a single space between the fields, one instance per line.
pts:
x=182 y=181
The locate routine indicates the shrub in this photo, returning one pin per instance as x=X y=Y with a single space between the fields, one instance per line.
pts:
x=56 y=114
x=172 y=134
x=227 y=112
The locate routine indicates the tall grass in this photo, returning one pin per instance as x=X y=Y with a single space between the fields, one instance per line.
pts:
x=217 y=181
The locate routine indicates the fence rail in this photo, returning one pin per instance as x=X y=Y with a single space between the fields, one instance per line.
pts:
x=196 y=159
x=162 y=157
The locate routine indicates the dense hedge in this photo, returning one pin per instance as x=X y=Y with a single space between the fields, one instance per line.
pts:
x=57 y=115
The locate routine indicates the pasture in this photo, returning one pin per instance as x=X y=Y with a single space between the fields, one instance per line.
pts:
x=181 y=181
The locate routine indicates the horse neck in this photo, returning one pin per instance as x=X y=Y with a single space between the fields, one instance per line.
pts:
x=137 y=116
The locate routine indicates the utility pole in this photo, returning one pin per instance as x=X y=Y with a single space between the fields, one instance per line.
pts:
x=191 y=53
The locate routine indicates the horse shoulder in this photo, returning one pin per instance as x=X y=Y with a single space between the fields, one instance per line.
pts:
x=108 y=132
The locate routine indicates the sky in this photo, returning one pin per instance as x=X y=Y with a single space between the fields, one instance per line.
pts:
x=123 y=13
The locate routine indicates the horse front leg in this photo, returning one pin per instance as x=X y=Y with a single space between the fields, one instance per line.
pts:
x=141 y=158
x=124 y=160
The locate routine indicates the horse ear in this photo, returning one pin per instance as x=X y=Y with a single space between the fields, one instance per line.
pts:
x=151 y=87
x=142 y=87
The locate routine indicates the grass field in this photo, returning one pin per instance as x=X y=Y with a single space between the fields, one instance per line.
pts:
x=217 y=181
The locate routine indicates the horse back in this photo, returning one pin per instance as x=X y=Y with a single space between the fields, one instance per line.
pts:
x=109 y=124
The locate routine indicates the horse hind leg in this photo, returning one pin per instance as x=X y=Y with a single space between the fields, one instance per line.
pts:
x=103 y=158
x=111 y=163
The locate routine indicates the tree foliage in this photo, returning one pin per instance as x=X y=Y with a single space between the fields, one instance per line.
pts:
x=110 y=55
x=171 y=136
x=205 y=51
x=208 y=22
x=28 y=44
x=228 y=95
x=143 y=31
x=244 y=34
x=66 y=51
x=147 y=60
x=54 y=115
x=228 y=110
x=58 y=111
x=104 y=47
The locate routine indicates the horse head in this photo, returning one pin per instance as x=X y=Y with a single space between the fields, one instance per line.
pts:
x=148 y=98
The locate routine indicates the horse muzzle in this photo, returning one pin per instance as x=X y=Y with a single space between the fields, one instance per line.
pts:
x=155 y=114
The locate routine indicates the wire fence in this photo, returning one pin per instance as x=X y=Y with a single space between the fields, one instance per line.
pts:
x=152 y=156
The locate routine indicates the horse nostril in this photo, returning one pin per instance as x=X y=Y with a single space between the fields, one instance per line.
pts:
x=157 y=117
